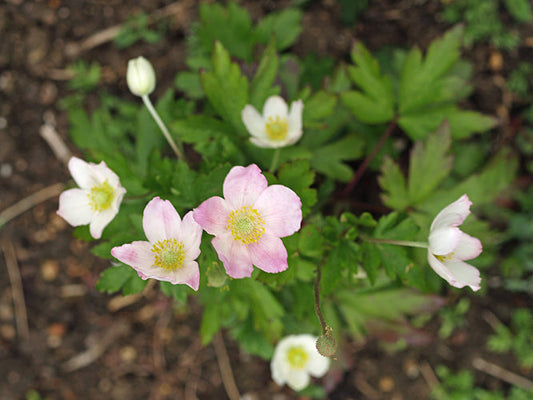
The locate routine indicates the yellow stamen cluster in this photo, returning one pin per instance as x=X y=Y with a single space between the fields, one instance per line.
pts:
x=101 y=196
x=246 y=225
x=297 y=357
x=168 y=254
x=276 y=128
x=446 y=257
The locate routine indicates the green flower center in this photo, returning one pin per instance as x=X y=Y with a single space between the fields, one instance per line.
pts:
x=276 y=128
x=168 y=254
x=246 y=225
x=297 y=357
x=445 y=257
x=101 y=196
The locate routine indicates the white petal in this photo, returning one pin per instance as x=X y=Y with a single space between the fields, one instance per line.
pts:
x=266 y=144
x=275 y=106
x=100 y=221
x=454 y=214
x=254 y=122
x=297 y=379
x=295 y=122
x=469 y=247
x=74 y=207
x=104 y=173
x=463 y=274
x=444 y=240
x=83 y=173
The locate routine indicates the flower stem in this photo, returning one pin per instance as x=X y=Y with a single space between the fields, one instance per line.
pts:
x=176 y=147
x=275 y=159
x=407 y=243
x=362 y=168
x=318 y=311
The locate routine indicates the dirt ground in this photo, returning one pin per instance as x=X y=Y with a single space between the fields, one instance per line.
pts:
x=68 y=341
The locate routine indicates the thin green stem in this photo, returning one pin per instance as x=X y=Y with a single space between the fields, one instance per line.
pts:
x=407 y=243
x=275 y=159
x=176 y=147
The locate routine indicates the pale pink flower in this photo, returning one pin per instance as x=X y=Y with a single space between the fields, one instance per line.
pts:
x=171 y=249
x=249 y=222
x=449 y=246
x=295 y=360
x=97 y=200
x=277 y=127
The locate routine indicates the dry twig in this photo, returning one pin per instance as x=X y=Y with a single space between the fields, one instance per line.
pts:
x=29 y=202
x=502 y=373
x=225 y=368
x=16 y=289
x=429 y=376
x=49 y=134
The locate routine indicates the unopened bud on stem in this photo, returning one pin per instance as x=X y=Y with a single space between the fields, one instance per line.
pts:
x=140 y=76
x=326 y=344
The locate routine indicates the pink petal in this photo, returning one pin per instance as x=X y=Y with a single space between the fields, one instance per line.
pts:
x=83 y=173
x=74 y=207
x=137 y=255
x=189 y=275
x=269 y=254
x=454 y=214
x=243 y=186
x=212 y=215
x=234 y=255
x=254 y=122
x=457 y=273
x=444 y=240
x=191 y=236
x=281 y=209
x=161 y=221
x=469 y=247
x=275 y=106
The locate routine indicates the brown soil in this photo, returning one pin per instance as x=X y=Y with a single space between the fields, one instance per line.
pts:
x=83 y=344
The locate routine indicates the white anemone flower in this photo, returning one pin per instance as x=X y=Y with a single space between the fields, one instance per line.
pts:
x=295 y=359
x=97 y=200
x=449 y=246
x=277 y=127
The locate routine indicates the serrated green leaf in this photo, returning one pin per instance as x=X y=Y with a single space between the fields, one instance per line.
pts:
x=178 y=292
x=311 y=242
x=429 y=164
x=392 y=182
x=261 y=85
x=341 y=259
x=189 y=83
x=318 y=107
x=120 y=277
x=366 y=109
x=299 y=177
x=226 y=88
x=285 y=26
x=464 y=123
x=371 y=260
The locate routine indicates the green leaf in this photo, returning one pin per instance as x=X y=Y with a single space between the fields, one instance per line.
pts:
x=299 y=177
x=366 y=109
x=261 y=85
x=520 y=10
x=120 y=277
x=178 y=292
x=318 y=107
x=371 y=260
x=189 y=83
x=226 y=88
x=429 y=164
x=464 y=123
x=285 y=26
x=392 y=182
x=311 y=242
x=341 y=259
x=210 y=322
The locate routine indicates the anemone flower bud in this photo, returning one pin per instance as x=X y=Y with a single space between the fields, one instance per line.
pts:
x=140 y=76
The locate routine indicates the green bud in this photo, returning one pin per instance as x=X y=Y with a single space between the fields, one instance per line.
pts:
x=216 y=276
x=326 y=344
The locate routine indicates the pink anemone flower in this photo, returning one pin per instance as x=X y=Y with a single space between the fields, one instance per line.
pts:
x=449 y=246
x=171 y=249
x=249 y=222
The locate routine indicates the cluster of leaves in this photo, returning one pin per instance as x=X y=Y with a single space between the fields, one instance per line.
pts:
x=518 y=338
x=233 y=63
x=483 y=20
x=461 y=386
x=137 y=29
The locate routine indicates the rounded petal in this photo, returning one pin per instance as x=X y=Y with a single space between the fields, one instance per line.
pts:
x=138 y=255
x=83 y=173
x=100 y=221
x=74 y=207
x=160 y=220
x=212 y=215
x=444 y=240
x=469 y=247
x=243 y=185
x=189 y=275
x=234 y=256
x=263 y=143
x=104 y=173
x=269 y=254
x=295 y=122
x=453 y=214
x=253 y=121
x=281 y=209
x=275 y=106
x=297 y=379
x=191 y=236
x=457 y=273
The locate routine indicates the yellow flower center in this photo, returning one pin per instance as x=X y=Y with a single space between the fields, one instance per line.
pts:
x=297 y=357
x=168 y=254
x=101 y=196
x=445 y=257
x=246 y=225
x=277 y=128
